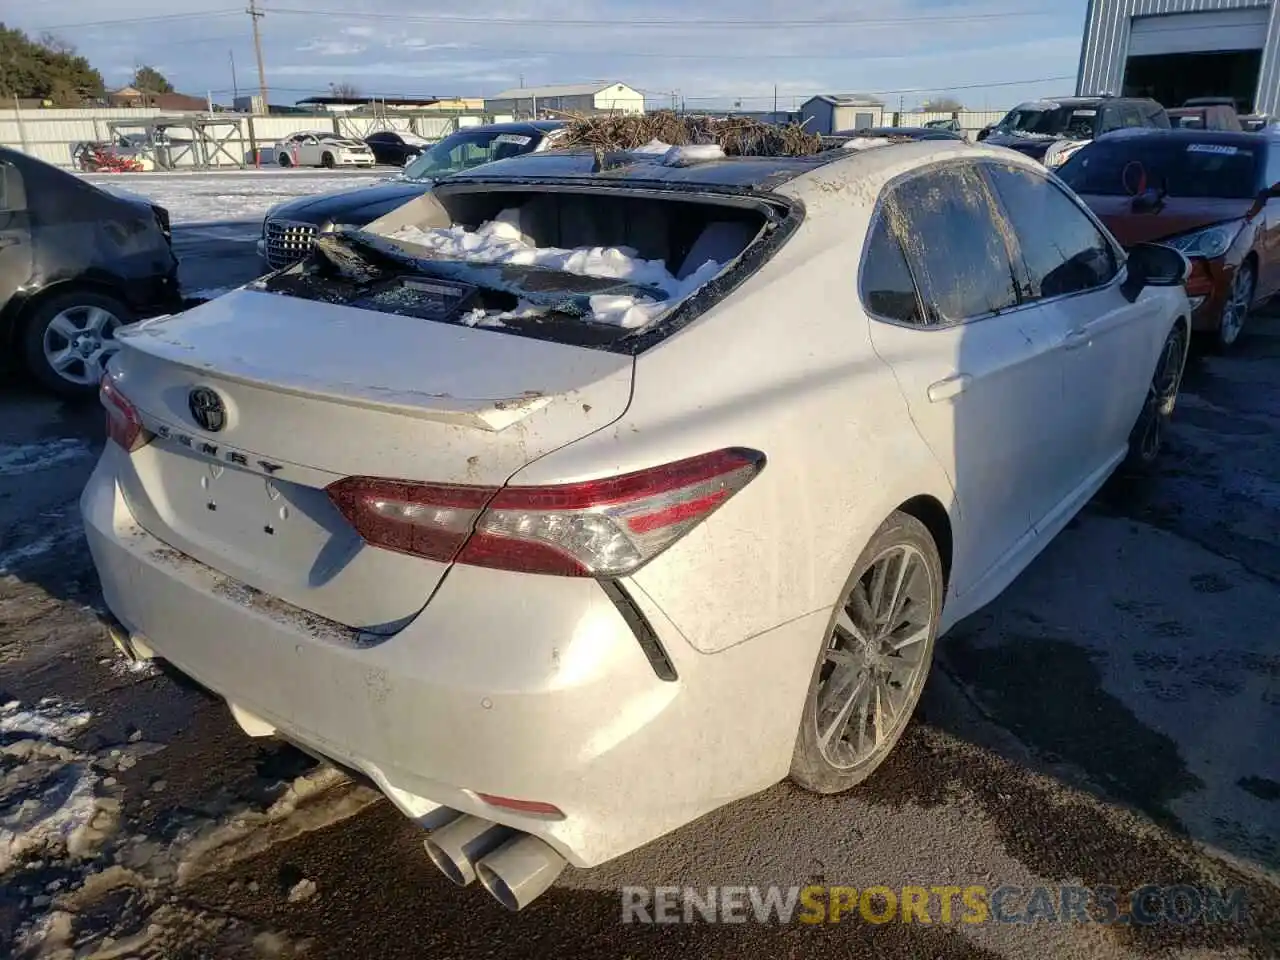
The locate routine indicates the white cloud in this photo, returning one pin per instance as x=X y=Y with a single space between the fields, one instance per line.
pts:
x=333 y=48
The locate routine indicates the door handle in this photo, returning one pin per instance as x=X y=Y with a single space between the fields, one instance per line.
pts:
x=948 y=388
x=1077 y=339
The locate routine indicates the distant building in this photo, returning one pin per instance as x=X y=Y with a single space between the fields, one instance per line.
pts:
x=133 y=97
x=582 y=99
x=249 y=104
x=1174 y=50
x=352 y=104
x=829 y=112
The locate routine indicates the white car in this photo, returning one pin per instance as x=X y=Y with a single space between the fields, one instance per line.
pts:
x=578 y=498
x=318 y=148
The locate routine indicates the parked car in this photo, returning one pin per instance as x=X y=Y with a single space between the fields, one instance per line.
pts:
x=1211 y=194
x=486 y=525
x=1209 y=116
x=76 y=263
x=906 y=133
x=1051 y=130
x=289 y=231
x=318 y=148
x=395 y=147
x=950 y=123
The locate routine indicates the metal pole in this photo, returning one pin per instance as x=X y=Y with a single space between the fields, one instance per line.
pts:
x=255 y=15
x=22 y=130
x=235 y=87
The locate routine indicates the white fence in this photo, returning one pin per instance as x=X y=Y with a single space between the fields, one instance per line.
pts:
x=52 y=134
x=971 y=121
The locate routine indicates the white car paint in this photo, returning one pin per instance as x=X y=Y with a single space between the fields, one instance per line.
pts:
x=309 y=148
x=444 y=682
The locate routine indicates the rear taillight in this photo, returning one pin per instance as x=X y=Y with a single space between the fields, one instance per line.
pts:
x=124 y=425
x=597 y=528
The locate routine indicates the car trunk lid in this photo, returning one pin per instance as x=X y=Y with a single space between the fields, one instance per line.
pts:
x=315 y=392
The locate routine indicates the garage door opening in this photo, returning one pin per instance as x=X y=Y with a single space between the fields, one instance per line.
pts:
x=1173 y=78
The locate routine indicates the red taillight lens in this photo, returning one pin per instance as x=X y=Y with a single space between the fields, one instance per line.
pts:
x=124 y=425
x=597 y=528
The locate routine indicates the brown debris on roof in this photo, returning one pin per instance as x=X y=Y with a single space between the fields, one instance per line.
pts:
x=736 y=136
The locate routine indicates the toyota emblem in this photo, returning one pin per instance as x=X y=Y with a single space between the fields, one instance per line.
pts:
x=207 y=409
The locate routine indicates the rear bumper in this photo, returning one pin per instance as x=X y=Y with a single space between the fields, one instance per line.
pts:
x=532 y=688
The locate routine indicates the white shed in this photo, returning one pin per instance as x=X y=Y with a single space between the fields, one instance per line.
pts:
x=584 y=99
x=830 y=112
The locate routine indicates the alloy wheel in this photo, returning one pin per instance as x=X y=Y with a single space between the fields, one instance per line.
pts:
x=79 y=341
x=1237 y=306
x=1162 y=393
x=875 y=662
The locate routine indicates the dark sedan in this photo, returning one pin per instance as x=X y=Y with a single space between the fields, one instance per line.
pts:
x=1211 y=194
x=904 y=133
x=76 y=263
x=395 y=148
x=289 y=230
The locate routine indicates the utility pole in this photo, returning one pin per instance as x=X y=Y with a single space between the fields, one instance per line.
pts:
x=235 y=87
x=775 y=103
x=255 y=15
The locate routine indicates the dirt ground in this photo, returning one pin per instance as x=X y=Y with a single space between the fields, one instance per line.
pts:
x=1109 y=720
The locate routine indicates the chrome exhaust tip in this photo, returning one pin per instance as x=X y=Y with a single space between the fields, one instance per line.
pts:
x=520 y=871
x=456 y=846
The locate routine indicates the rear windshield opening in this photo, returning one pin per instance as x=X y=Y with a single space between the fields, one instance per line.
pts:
x=585 y=267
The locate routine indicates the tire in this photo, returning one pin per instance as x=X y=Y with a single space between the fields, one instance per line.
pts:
x=1146 y=439
x=327 y=161
x=1237 y=307
x=78 y=326
x=284 y=160
x=830 y=764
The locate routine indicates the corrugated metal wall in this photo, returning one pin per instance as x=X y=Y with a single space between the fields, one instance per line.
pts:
x=1106 y=43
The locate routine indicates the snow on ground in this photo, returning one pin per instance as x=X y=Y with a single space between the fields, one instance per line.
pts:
x=30 y=457
x=230 y=196
x=500 y=241
x=46 y=788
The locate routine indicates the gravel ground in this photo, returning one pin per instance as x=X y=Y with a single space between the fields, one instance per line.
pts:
x=1108 y=720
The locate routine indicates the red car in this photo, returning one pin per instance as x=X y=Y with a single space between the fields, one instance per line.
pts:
x=1214 y=195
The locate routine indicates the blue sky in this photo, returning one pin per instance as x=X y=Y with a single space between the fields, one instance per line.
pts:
x=989 y=53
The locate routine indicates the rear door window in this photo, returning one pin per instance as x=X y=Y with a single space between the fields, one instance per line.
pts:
x=1063 y=250
x=954 y=241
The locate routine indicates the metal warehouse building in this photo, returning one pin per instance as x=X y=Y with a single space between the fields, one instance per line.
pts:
x=1173 y=50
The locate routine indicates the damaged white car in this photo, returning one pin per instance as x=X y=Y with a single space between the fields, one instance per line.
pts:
x=590 y=492
x=318 y=148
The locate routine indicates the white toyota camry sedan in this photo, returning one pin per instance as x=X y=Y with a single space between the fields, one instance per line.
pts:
x=591 y=492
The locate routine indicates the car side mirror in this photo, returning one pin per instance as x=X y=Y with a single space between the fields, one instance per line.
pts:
x=1153 y=265
x=13 y=192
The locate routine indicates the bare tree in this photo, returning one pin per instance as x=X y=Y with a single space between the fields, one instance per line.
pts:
x=344 y=89
x=943 y=105
x=55 y=44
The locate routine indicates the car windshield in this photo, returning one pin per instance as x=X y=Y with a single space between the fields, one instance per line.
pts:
x=1050 y=120
x=1182 y=168
x=468 y=148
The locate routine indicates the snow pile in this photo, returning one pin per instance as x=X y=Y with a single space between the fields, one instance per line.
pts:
x=30 y=457
x=866 y=143
x=46 y=787
x=501 y=241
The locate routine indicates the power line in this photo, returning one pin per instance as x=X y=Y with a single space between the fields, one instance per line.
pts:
x=156 y=18
x=946 y=88
x=683 y=24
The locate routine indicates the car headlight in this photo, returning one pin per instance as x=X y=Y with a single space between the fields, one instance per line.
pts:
x=1060 y=151
x=1210 y=242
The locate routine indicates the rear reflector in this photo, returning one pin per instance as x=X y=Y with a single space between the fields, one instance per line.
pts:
x=124 y=425
x=597 y=528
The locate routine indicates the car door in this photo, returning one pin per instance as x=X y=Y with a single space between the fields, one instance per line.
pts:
x=309 y=151
x=1074 y=270
x=16 y=249
x=981 y=377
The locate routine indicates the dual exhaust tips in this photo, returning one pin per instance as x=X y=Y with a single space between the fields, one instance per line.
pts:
x=514 y=867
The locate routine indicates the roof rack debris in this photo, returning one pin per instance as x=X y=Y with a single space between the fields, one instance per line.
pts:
x=736 y=136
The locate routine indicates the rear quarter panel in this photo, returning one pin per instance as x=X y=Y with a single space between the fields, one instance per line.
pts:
x=783 y=365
